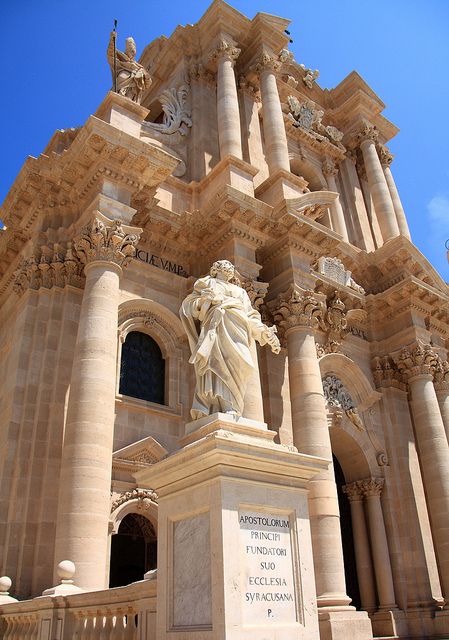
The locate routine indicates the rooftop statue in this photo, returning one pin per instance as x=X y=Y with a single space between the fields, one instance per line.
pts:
x=131 y=77
x=221 y=326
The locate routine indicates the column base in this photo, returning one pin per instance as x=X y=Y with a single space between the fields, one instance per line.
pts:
x=344 y=625
x=441 y=624
x=389 y=623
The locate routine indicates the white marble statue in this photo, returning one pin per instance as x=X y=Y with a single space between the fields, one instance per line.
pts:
x=132 y=77
x=221 y=325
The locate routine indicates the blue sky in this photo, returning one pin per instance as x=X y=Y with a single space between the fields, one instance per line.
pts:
x=55 y=74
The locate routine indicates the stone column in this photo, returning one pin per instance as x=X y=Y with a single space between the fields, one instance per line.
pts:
x=229 y=134
x=104 y=247
x=361 y=547
x=297 y=315
x=383 y=203
x=372 y=489
x=418 y=364
x=386 y=159
x=337 y=215
x=276 y=148
x=441 y=382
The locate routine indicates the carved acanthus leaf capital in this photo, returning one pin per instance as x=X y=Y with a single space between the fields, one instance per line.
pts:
x=267 y=62
x=367 y=132
x=107 y=240
x=329 y=168
x=385 y=157
x=299 y=309
x=441 y=375
x=371 y=486
x=224 y=50
x=51 y=266
x=353 y=491
x=416 y=360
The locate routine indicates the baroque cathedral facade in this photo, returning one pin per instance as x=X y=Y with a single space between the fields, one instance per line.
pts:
x=218 y=144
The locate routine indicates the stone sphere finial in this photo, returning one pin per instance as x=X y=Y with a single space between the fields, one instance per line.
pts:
x=66 y=570
x=5 y=585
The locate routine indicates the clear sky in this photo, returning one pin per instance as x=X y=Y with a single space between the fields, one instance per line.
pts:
x=55 y=74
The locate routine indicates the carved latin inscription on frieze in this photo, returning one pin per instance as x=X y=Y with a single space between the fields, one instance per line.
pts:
x=268 y=588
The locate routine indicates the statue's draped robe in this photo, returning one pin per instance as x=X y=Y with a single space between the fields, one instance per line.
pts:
x=221 y=348
x=131 y=76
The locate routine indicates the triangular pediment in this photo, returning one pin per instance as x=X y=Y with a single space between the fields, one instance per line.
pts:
x=141 y=453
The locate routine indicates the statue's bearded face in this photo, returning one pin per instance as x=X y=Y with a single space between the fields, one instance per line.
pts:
x=224 y=268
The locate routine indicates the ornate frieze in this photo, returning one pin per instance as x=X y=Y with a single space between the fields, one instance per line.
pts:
x=52 y=267
x=107 y=241
x=415 y=360
x=386 y=373
x=299 y=309
x=337 y=395
x=177 y=113
x=308 y=117
x=334 y=269
x=134 y=494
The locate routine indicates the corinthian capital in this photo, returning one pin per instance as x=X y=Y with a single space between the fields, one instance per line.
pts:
x=299 y=309
x=107 y=240
x=224 y=50
x=371 y=486
x=415 y=360
x=367 y=132
x=441 y=374
x=267 y=62
x=329 y=168
x=385 y=157
x=353 y=491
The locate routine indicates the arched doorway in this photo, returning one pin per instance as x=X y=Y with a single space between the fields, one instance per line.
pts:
x=352 y=583
x=133 y=550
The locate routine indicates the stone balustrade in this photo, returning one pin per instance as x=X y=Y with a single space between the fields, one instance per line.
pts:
x=123 y=613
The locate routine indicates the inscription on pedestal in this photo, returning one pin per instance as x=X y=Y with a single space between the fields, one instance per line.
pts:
x=269 y=586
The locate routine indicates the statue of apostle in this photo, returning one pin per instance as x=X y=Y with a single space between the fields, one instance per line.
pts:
x=221 y=325
x=132 y=78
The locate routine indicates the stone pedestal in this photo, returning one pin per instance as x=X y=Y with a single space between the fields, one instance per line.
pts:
x=122 y=113
x=234 y=548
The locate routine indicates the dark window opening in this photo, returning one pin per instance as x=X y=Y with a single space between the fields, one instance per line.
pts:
x=133 y=550
x=352 y=583
x=142 y=368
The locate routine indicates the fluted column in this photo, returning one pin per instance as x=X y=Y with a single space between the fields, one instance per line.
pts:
x=418 y=364
x=372 y=489
x=386 y=159
x=337 y=215
x=380 y=192
x=229 y=134
x=276 y=148
x=297 y=314
x=441 y=383
x=85 y=482
x=361 y=547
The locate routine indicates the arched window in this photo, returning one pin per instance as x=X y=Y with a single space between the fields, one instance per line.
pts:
x=133 y=550
x=142 y=368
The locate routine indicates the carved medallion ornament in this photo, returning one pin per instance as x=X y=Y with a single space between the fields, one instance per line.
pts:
x=334 y=269
x=416 y=360
x=107 y=240
x=134 y=494
x=337 y=396
x=308 y=117
x=299 y=309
